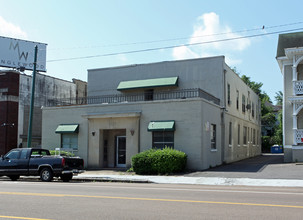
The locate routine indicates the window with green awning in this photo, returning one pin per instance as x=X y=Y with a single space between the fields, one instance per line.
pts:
x=148 y=83
x=70 y=128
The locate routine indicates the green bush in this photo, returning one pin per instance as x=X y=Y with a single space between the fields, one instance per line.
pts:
x=62 y=153
x=159 y=161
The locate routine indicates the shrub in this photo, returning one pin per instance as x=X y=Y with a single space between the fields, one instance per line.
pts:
x=62 y=153
x=159 y=161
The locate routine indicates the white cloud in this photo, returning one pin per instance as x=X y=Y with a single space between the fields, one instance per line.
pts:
x=8 y=29
x=184 y=52
x=206 y=29
x=122 y=59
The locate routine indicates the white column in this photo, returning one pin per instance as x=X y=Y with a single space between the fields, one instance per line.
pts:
x=294 y=123
x=294 y=78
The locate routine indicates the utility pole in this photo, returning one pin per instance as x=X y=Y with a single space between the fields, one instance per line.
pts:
x=30 y=121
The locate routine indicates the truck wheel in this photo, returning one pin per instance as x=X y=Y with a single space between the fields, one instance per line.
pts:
x=14 y=177
x=66 y=177
x=46 y=174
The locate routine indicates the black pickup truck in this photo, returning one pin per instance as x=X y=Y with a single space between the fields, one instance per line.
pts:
x=38 y=162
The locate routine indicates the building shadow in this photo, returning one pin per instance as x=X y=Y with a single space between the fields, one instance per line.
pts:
x=250 y=165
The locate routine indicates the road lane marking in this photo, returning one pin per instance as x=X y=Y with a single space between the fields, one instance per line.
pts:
x=172 y=189
x=26 y=218
x=149 y=199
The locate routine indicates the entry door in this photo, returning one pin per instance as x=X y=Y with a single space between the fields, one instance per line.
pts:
x=121 y=151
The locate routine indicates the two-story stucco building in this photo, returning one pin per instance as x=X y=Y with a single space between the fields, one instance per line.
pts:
x=290 y=60
x=198 y=106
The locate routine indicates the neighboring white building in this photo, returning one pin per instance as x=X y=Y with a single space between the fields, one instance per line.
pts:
x=198 y=106
x=290 y=60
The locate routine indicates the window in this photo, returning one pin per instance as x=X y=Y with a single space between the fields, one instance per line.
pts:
x=239 y=135
x=69 y=141
x=230 y=134
x=244 y=135
x=162 y=139
x=243 y=103
x=254 y=137
x=237 y=102
x=213 y=137
x=40 y=152
x=149 y=95
x=253 y=109
x=228 y=94
x=23 y=154
x=13 y=154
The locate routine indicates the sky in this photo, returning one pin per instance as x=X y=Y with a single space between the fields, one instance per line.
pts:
x=82 y=35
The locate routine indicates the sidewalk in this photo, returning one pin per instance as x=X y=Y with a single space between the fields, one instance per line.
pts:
x=265 y=170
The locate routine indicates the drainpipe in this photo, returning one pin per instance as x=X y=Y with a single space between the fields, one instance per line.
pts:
x=223 y=109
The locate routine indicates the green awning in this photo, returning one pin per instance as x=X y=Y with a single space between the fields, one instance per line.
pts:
x=148 y=83
x=71 y=128
x=161 y=126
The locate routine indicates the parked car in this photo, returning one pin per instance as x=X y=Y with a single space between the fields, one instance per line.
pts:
x=38 y=162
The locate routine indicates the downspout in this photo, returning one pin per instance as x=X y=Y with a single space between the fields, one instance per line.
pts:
x=223 y=109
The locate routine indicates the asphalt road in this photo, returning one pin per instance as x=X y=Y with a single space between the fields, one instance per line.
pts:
x=99 y=200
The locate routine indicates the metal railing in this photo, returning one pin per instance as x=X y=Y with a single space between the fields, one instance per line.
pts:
x=299 y=136
x=135 y=97
x=299 y=87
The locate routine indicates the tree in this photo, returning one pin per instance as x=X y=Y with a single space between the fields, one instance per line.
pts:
x=256 y=87
x=279 y=98
x=268 y=118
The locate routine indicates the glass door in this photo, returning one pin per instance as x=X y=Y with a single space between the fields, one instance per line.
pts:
x=121 y=151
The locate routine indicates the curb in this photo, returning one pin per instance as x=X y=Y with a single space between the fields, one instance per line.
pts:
x=194 y=180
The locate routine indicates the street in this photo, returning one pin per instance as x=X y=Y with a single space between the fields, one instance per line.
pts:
x=100 y=200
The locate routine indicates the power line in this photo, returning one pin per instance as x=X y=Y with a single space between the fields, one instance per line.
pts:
x=183 y=38
x=174 y=46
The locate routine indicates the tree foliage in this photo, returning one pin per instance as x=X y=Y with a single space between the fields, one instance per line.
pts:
x=256 y=87
x=268 y=117
x=279 y=98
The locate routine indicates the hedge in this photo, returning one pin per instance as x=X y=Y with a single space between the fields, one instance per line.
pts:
x=157 y=161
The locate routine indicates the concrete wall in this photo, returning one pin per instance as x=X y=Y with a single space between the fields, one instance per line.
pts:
x=190 y=135
x=288 y=117
x=238 y=151
x=204 y=73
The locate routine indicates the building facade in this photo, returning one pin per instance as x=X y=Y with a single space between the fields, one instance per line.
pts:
x=15 y=95
x=290 y=60
x=198 y=106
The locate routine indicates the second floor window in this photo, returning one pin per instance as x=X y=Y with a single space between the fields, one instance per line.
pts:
x=243 y=103
x=228 y=94
x=149 y=95
x=237 y=101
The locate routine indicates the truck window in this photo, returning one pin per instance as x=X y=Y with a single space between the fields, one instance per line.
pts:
x=23 y=154
x=14 y=154
x=40 y=152
x=45 y=152
x=35 y=152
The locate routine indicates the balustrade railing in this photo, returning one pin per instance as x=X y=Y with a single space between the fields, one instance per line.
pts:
x=299 y=136
x=135 y=97
x=299 y=87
